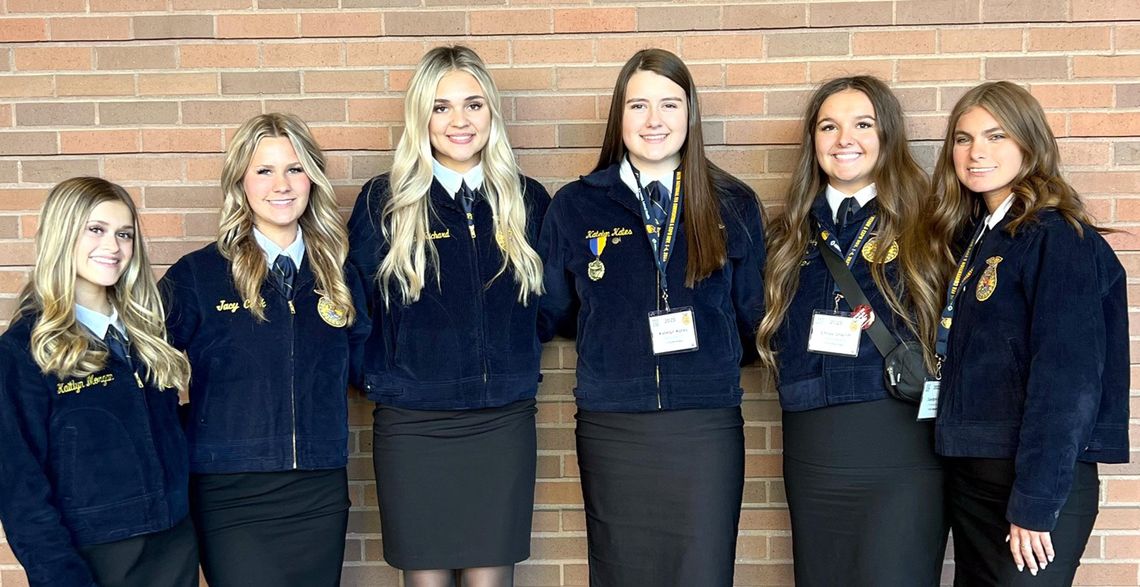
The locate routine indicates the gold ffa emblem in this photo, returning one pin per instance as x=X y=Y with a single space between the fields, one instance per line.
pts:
x=987 y=283
x=870 y=249
x=330 y=313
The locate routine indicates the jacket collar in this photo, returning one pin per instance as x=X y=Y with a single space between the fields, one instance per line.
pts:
x=609 y=180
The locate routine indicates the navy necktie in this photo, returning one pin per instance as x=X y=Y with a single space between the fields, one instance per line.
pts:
x=466 y=197
x=283 y=272
x=659 y=198
x=116 y=344
x=847 y=209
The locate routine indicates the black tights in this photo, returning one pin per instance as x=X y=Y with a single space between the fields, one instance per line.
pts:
x=503 y=576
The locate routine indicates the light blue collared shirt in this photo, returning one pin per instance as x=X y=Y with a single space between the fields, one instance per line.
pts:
x=98 y=323
x=627 y=177
x=451 y=179
x=836 y=197
x=295 y=251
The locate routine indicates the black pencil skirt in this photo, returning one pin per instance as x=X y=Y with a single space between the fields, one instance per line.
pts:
x=455 y=488
x=662 y=493
x=865 y=493
x=168 y=558
x=279 y=529
x=978 y=494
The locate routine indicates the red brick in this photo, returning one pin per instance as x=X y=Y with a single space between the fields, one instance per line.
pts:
x=762 y=132
x=297 y=4
x=52 y=58
x=422 y=24
x=144 y=167
x=1108 y=124
x=136 y=57
x=95 y=85
x=672 y=18
x=37 y=6
x=55 y=114
x=384 y=53
x=936 y=12
x=939 y=70
x=513 y=79
x=980 y=40
x=617 y=50
x=551 y=50
x=16 y=30
x=376 y=110
x=837 y=14
x=1073 y=95
x=127 y=5
x=352 y=138
x=340 y=81
x=99 y=141
x=595 y=20
x=1024 y=10
x=1112 y=10
x=174 y=26
x=559 y=107
x=893 y=42
x=138 y=112
x=181 y=140
x=825 y=70
x=217 y=55
x=721 y=47
x=220 y=111
x=735 y=103
x=1019 y=68
x=262 y=82
x=51 y=171
x=177 y=84
x=755 y=74
x=257 y=26
x=341 y=24
x=814 y=44
x=313 y=109
x=511 y=22
x=27 y=86
x=1085 y=66
x=1070 y=38
x=302 y=55
x=767 y=16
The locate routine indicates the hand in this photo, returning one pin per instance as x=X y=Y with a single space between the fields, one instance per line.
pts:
x=1030 y=548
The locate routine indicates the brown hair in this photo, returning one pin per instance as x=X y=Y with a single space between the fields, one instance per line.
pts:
x=902 y=201
x=700 y=178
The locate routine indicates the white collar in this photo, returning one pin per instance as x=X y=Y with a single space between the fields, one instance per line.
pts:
x=295 y=251
x=835 y=197
x=630 y=180
x=451 y=180
x=993 y=219
x=98 y=323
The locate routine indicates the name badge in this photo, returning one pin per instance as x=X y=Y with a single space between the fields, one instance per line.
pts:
x=928 y=406
x=835 y=333
x=673 y=331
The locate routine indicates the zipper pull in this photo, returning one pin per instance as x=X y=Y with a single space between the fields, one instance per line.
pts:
x=138 y=380
x=292 y=309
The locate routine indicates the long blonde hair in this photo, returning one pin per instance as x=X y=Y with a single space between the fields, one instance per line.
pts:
x=902 y=202
x=59 y=344
x=326 y=239
x=404 y=219
x=1038 y=183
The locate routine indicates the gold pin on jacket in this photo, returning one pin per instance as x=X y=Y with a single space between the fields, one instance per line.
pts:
x=987 y=283
x=330 y=313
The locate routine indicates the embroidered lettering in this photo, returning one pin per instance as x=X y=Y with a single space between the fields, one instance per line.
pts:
x=436 y=235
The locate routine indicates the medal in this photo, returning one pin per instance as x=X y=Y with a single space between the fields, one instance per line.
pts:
x=595 y=270
x=872 y=246
x=330 y=313
x=987 y=283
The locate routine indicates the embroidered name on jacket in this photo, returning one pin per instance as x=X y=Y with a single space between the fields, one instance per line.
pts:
x=436 y=234
x=616 y=231
x=78 y=385
x=232 y=307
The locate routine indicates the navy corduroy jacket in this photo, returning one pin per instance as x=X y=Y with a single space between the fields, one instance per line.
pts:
x=83 y=461
x=1037 y=366
x=617 y=370
x=264 y=396
x=468 y=342
x=811 y=380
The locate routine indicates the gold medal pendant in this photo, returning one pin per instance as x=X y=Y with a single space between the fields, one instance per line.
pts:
x=987 y=283
x=595 y=270
x=872 y=246
x=330 y=313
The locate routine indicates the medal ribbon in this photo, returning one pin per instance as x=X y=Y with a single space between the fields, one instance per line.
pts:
x=662 y=239
x=947 y=318
x=597 y=245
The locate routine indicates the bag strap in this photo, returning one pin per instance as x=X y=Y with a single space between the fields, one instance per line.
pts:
x=880 y=335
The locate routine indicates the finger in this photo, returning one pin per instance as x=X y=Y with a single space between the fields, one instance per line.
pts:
x=1047 y=541
x=1038 y=552
x=1015 y=550
x=1027 y=555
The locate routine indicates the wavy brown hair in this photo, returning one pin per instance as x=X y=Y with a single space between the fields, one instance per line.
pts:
x=326 y=239
x=1038 y=185
x=700 y=178
x=60 y=345
x=902 y=200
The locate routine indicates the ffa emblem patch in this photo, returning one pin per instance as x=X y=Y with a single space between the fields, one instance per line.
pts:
x=987 y=283
x=872 y=246
x=332 y=315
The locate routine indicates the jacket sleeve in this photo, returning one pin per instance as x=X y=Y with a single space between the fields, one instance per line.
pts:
x=360 y=328
x=558 y=307
x=28 y=512
x=180 y=298
x=748 y=278
x=365 y=240
x=1066 y=350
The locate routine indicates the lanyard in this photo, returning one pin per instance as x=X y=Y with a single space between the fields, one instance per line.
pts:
x=947 y=319
x=661 y=238
x=852 y=251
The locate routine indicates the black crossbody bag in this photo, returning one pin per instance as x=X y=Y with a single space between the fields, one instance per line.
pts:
x=904 y=370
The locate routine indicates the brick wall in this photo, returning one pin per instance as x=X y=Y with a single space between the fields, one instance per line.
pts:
x=146 y=93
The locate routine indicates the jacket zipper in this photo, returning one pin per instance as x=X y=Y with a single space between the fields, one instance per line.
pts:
x=481 y=297
x=656 y=358
x=292 y=376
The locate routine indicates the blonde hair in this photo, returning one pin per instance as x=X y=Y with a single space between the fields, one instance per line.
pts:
x=326 y=239
x=59 y=344
x=404 y=219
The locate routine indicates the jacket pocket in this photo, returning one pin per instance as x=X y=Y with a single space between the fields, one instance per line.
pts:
x=99 y=461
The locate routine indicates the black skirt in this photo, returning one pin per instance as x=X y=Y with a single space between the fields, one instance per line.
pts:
x=865 y=493
x=455 y=488
x=662 y=493
x=279 y=529
x=168 y=558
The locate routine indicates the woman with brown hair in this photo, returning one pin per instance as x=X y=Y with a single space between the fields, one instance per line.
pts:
x=864 y=486
x=1034 y=346
x=654 y=260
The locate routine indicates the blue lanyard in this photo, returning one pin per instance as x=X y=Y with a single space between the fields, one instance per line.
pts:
x=852 y=251
x=947 y=319
x=661 y=238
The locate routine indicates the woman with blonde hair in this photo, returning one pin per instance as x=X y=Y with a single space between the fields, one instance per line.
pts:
x=267 y=315
x=94 y=472
x=445 y=244
x=1033 y=344
x=654 y=261
x=864 y=486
